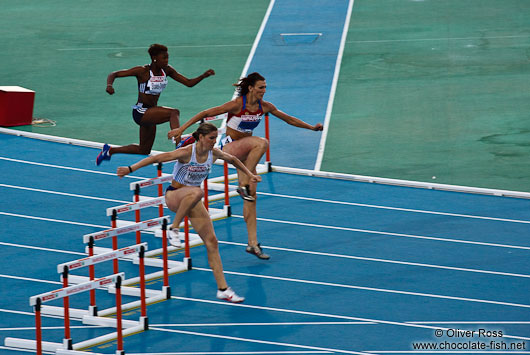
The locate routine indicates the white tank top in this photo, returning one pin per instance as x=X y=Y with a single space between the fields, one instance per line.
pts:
x=192 y=173
x=155 y=85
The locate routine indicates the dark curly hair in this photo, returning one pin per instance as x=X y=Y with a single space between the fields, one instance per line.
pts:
x=249 y=80
x=156 y=49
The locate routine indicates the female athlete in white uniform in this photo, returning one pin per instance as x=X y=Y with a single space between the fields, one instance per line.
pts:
x=152 y=80
x=244 y=114
x=184 y=195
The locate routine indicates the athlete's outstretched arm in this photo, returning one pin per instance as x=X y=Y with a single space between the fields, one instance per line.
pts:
x=293 y=121
x=175 y=75
x=230 y=106
x=182 y=153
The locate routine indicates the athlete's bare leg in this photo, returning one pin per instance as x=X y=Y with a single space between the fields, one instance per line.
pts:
x=182 y=201
x=152 y=117
x=249 y=150
x=202 y=224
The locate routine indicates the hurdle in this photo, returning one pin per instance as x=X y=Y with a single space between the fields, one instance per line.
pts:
x=67 y=347
x=85 y=316
x=168 y=266
x=176 y=266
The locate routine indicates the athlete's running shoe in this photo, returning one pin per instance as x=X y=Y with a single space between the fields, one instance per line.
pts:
x=244 y=192
x=186 y=141
x=173 y=237
x=229 y=295
x=256 y=250
x=104 y=154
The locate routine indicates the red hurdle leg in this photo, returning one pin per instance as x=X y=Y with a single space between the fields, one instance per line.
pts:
x=67 y=342
x=164 y=252
x=137 y=213
x=92 y=275
x=119 y=317
x=38 y=329
x=227 y=196
x=267 y=136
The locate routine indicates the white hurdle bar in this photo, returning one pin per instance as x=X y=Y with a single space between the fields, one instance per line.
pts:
x=94 y=316
x=168 y=267
x=65 y=293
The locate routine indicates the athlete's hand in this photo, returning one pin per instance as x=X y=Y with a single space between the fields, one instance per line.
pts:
x=122 y=171
x=110 y=89
x=318 y=127
x=175 y=133
x=255 y=178
x=208 y=73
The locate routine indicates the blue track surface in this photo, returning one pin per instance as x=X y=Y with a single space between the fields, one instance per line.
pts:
x=299 y=68
x=355 y=267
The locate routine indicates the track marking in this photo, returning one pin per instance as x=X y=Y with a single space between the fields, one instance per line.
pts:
x=374 y=289
x=256 y=341
x=53 y=220
x=30 y=279
x=283 y=310
x=265 y=194
x=385 y=260
x=331 y=98
x=389 y=233
x=437 y=39
x=473 y=322
x=62 y=193
x=257 y=324
x=41 y=248
x=396 y=208
x=68 y=168
x=134 y=48
x=236 y=353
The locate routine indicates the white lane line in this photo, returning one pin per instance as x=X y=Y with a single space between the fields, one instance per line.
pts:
x=283 y=310
x=53 y=220
x=390 y=233
x=237 y=353
x=41 y=248
x=396 y=208
x=444 y=39
x=257 y=39
x=62 y=193
x=331 y=98
x=255 y=324
x=372 y=289
x=144 y=47
x=256 y=341
x=385 y=260
x=30 y=279
x=68 y=168
x=275 y=195
x=473 y=322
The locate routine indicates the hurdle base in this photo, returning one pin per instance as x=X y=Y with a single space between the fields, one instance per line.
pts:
x=107 y=337
x=28 y=344
x=76 y=314
x=109 y=322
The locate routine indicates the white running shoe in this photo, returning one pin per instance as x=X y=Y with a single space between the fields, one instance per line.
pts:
x=229 y=295
x=173 y=237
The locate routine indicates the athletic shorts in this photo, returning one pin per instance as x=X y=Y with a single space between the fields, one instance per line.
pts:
x=138 y=112
x=224 y=141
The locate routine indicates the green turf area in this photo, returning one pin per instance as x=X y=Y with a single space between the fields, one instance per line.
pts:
x=64 y=50
x=435 y=88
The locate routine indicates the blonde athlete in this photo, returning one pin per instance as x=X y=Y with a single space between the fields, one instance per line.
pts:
x=184 y=195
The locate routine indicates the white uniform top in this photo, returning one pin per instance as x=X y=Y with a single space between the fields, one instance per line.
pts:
x=192 y=173
x=155 y=85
